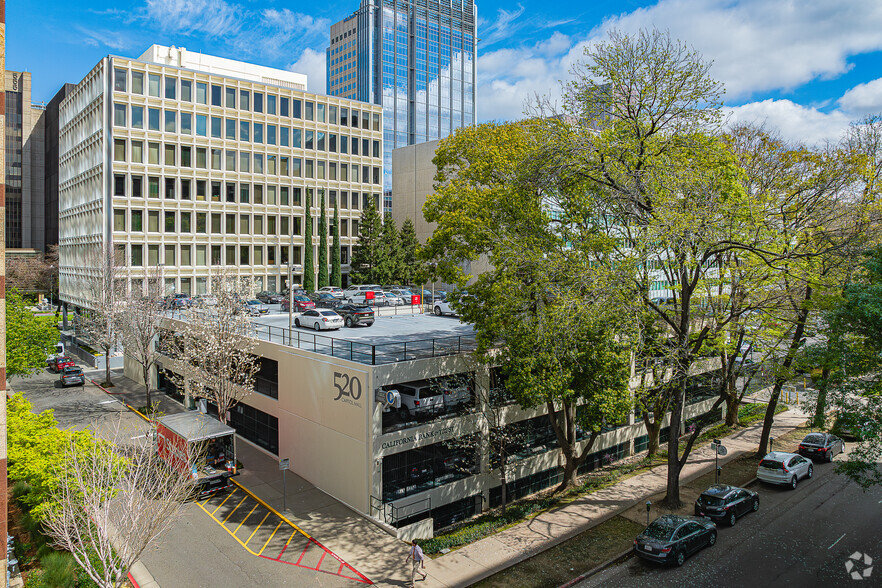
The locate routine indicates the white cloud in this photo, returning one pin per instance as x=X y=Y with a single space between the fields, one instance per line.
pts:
x=213 y=17
x=863 y=99
x=314 y=65
x=795 y=122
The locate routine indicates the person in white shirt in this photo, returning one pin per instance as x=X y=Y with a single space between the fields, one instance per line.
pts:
x=418 y=562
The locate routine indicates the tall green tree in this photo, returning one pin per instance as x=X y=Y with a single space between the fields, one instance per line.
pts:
x=367 y=252
x=389 y=267
x=29 y=340
x=413 y=268
x=308 y=260
x=323 y=246
x=336 y=272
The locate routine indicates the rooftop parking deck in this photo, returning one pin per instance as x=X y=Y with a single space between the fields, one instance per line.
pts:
x=390 y=339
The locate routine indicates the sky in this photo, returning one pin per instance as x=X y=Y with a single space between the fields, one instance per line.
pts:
x=806 y=68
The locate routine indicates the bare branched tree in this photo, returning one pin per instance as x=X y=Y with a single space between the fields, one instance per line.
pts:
x=107 y=294
x=114 y=500
x=139 y=324
x=212 y=348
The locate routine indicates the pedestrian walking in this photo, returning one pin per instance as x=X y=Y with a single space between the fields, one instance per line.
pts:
x=418 y=562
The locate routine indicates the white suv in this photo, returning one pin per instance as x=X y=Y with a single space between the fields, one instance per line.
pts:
x=359 y=294
x=783 y=468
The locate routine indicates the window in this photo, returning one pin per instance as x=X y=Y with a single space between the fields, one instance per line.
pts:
x=258 y=163
x=171 y=85
x=169 y=188
x=169 y=154
x=230 y=125
x=258 y=255
x=295 y=138
x=354 y=119
x=271 y=164
x=244 y=224
x=295 y=108
x=271 y=255
x=201 y=158
x=170 y=255
x=332 y=143
x=201 y=222
x=283 y=106
x=283 y=196
x=320 y=170
x=230 y=95
x=119 y=185
x=270 y=194
x=215 y=222
x=119 y=219
x=332 y=114
x=137 y=152
x=137 y=82
x=320 y=112
x=365 y=120
x=344 y=117
x=201 y=93
x=231 y=191
x=271 y=134
x=186 y=258
x=344 y=144
x=216 y=95
x=215 y=191
x=258 y=133
x=355 y=145
x=216 y=156
x=152 y=119
x=243 y=193
x=186 y=123
x=170 y=222
x=153 y=254
x=376 y=174
x=258 y=224
x=284 y=226
x=137 y=220
x=295 y=167
x=137 y=255
x=200 y=190
x=230 y=224
x=215 y=127
x=309 y=110
x=137 y=117
x=244 y=162
x=258 y=194
x=185 y=189
x=244 y=100
x=332 y=171
x=376 y=149
x=284 y=132
x=201 y=125
x=119 y=150
x=119 y=115
x=186 y=156
x=136 y=187
x=376 y=126
x=365 y=147
x=231 y=161
x=244 y=130
x=258 y=102
x=244 y=255
x=200 y=255
x=153 y=153
x=320 y=140
x=153 y=85
x=266 y=381
x=310 y=142
x=283 y=166
x=270 y=104
x=344 y=172
x=297 y=197
x=230 y=255
x=153 y=221
x=271 y=225
x=186 y=90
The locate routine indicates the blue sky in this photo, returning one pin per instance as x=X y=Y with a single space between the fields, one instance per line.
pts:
x=804 y=67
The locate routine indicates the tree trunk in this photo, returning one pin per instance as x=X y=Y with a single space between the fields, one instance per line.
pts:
x=781 y=380
x=147 y=388
x=107 y=381
x=672 y=498
x=732 y=405
x=653 y=428
x=820 y=418
x=569 y=475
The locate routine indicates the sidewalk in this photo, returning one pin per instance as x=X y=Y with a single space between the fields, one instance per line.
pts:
x=380 y=557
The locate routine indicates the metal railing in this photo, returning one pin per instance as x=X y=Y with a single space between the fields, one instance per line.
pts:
x=392 y=514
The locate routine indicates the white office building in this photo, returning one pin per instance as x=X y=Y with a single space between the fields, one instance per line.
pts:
x=194 y=163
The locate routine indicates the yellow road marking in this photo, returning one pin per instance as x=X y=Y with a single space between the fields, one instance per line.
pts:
x=270 y=538
x=222 y=503
x=226 y=529
x=234 y=510
x=281 y=516
x=245 y=519
x=257 y=527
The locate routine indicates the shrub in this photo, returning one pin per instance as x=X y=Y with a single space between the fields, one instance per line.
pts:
x=59 y=570
x=20 y=489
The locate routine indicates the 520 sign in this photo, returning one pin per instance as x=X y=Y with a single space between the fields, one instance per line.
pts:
x=347 y=386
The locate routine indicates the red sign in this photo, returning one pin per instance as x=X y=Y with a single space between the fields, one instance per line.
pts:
x=415 y=299
x=369 y=295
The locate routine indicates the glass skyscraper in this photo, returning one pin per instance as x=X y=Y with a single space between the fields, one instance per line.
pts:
x=414 y=57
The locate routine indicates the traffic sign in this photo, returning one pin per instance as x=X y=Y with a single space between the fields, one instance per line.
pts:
x=283 y=464
x=722 y=450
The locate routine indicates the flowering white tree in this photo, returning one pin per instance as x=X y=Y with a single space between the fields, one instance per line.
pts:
x=113 y=501
x=106 y=291
x=139 y=323
x=211 y=350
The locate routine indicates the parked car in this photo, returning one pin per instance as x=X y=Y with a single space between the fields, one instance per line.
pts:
x=258 y=305
x=301 y=303
x=721 y=502
x=324 y=299
x=181 y=301
x=355 y=314
x=404 y=294
x=268 y=297
x=334 y=291
x=59 y=362
x=367 y=297
x=821 y=445
x=72 y=376
x=204 y=301
x=779 y=467
x=320 y=320
x=443 y=307
x=358 y=293
x=246 y=308
x=393 y=299
x=672 y=538
x=420 y=398
x=850 y=427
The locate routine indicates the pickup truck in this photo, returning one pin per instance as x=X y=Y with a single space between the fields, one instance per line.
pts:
x=200 y=445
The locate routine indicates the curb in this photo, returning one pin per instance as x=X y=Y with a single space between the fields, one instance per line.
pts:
x=127 y=405
x=597 y=569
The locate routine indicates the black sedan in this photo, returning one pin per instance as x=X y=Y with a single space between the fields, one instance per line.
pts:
x=356 y=314
x=324 y=299
x=672 y=538
x=726 y=503
x=821 y=445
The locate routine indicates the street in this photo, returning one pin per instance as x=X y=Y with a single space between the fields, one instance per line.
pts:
x=798 y=538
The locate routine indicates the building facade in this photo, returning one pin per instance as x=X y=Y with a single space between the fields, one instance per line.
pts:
x=195 y=163
x=26 y=211
x=417 y=59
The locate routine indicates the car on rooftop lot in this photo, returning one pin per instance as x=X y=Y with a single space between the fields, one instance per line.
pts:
x=673 y=538
x=722 y=502
x=320 y=320
x=324 y=299
x=258 y=305
x=301 y=303
x=356 y=314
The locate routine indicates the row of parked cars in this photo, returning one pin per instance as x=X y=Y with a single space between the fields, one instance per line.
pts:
x=69 y=373
x=673 y=538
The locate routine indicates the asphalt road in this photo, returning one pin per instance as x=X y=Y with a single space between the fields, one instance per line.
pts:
x=797 y=538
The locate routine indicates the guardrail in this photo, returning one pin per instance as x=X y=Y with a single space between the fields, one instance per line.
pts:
x=392 y=514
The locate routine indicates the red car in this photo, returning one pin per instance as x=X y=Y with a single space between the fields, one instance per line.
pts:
x=59 y=362
x=301 y=304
